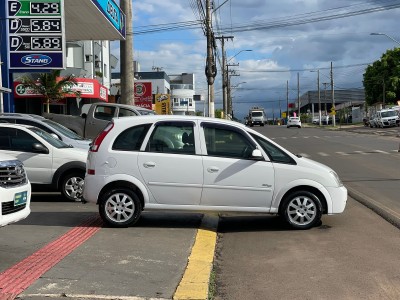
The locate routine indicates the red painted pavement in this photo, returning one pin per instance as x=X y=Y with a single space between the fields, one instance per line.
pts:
x=16 y=279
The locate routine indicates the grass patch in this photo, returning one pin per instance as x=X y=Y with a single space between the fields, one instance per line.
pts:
x=212 y=286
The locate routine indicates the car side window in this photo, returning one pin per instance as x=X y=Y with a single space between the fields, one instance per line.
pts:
x=226 y=142
x=126 y=113
x=104 y=112
x=172 y=137
x=16 y=140
x=274 y=153
x=131 y=139
x=31 y=123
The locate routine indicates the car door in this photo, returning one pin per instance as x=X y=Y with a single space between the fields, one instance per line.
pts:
x=169 y=164
x=98 y=120
x=231 y=176
x=19 y=143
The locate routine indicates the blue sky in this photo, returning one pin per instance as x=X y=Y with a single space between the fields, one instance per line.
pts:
x=279 y=51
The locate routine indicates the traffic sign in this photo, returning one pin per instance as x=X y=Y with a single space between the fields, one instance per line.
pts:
x=36 y=34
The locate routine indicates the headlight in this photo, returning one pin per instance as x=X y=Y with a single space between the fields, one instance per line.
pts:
x=336 y=177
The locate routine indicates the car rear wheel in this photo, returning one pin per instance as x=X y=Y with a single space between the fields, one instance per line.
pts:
x=120 y=207
x=72 y=186
x=302 y=210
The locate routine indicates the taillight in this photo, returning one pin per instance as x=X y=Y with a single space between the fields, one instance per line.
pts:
x=99 y=139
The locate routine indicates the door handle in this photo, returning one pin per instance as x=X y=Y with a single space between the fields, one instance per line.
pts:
x=212 y=169
x=149 y=164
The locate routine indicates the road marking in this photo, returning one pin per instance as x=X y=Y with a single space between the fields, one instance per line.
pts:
x=19 y=277
x=342 y=153
x=195 y=280
x=322 y=154
x=361 y=152
x=381 y=151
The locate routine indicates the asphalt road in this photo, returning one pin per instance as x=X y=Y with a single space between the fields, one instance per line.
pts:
x=352 y=255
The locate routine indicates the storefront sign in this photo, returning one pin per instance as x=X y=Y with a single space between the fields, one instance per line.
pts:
x=143 y=94
x=88 y=88
x=163 y=104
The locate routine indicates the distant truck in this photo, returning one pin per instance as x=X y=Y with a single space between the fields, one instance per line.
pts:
x=95 y=117
x=256 y=116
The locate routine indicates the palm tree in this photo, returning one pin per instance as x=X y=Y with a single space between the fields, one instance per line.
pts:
x=51 y=86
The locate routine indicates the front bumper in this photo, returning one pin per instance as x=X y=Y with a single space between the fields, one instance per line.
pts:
x=7 y=200
x=338 y=198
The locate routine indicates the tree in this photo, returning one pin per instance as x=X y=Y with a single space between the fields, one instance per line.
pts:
x=382 y=78
x=51 y=86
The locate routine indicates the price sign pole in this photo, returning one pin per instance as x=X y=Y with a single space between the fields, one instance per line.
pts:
x=36 y=35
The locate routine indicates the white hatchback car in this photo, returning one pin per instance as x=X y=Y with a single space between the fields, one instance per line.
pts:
x=204 y=164
x=294 y=122
x=49 y=162
x=15 y=191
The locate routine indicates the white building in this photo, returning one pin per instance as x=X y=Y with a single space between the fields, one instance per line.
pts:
x=182 y=94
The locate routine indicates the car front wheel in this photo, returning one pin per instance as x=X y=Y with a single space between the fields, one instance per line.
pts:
x=72 y=186
x=302 y=210
x=120 y=207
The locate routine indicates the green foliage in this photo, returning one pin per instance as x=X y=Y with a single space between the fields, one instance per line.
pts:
x=382 y=78
x=51 y=85
x=219 y=113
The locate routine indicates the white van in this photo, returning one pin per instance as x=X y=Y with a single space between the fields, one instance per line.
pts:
x=387 y=118
x=15 y=191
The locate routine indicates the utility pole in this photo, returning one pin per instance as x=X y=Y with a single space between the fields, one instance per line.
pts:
x=211 y=70
x=383 y=94
x=333 y=98
x=224 y=75
x=126 y=53
x=325 y=83
x=298 y=91
x=287 y=99
x=319 y=100
x=229 y=96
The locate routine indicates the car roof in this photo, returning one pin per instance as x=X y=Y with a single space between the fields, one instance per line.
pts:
x=122 y=105
x=156 y=118
x=15 y=125
x=22 y=116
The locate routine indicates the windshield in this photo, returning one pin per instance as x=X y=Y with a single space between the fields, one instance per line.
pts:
x=48 y=138
x=389 y=113
x=257 y=114
x=146 y=112
x=63 y=130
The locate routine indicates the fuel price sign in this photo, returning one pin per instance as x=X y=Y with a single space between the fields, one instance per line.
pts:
x=36 y=35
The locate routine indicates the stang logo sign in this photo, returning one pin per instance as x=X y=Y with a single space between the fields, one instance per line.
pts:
x=36 y=60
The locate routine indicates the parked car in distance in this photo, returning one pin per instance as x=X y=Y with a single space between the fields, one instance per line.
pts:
x=55 y=129
x=49 y=162
x=15 y=191
x=204 y=164
x=293 y=122
x=96 y=116
x=387 y=118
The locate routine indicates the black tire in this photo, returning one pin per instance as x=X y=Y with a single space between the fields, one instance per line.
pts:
x=301 y=210
x=120 y=207
x=72 y=185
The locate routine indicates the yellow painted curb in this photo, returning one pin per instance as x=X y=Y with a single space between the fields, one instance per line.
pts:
x=195 y=280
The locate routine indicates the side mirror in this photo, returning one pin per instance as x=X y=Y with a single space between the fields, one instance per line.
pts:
x=39 y=148
x=257 y=155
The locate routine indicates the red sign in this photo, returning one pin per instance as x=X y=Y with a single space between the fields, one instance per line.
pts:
x=143 y=94
x=89 y=88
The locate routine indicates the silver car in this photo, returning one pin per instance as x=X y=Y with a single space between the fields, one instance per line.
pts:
x=55 y=129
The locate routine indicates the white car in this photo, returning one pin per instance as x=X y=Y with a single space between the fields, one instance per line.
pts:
x=55 y=129
x=15 y=191
x=293 y=122
x=204 y=164
x=49 y=162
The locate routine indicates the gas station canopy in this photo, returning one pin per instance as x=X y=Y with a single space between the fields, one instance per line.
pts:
x=93 y=20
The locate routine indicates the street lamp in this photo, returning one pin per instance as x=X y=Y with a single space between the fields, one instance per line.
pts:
x=246 y=50
x=380 y=33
